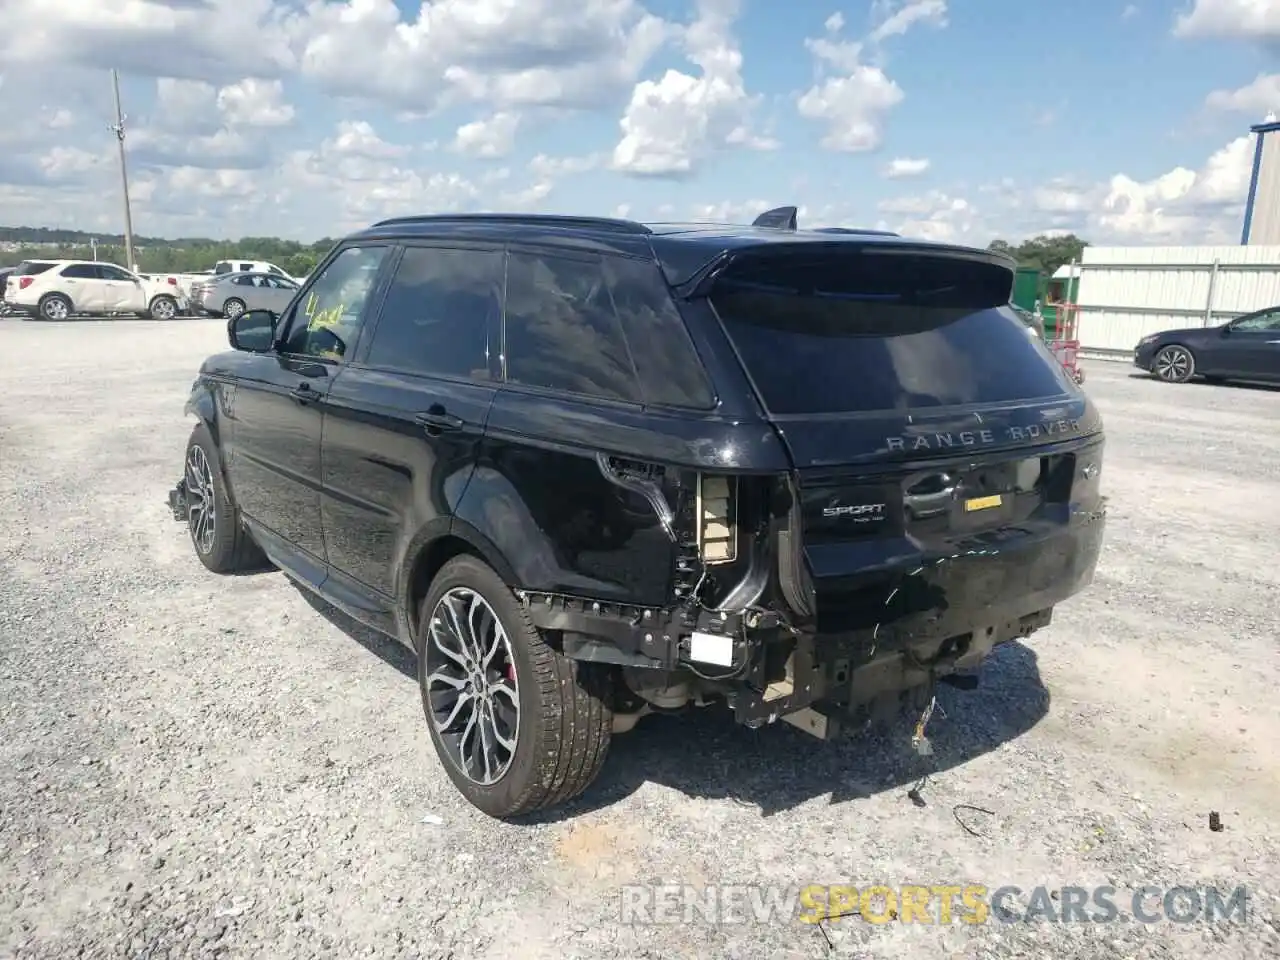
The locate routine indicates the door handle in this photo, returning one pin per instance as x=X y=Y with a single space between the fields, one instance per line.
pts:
x=436 y=420
x=303 y=393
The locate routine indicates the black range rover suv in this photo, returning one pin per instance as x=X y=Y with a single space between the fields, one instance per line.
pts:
x=590 y=468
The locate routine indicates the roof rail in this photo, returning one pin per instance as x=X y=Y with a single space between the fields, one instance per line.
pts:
x=859 y=230
x=608 y=224
x=779 y=218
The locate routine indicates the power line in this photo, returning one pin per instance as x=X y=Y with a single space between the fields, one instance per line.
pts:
x=118 y=129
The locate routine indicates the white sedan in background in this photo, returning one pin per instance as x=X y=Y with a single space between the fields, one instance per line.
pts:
x=62 y=288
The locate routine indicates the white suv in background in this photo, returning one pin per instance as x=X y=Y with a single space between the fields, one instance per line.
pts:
x=250 y=266
x=66 y=287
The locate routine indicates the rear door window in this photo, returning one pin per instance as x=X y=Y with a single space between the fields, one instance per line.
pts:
x=850 y=332
x=82 y=271
x=561 y=329
x=438 y=312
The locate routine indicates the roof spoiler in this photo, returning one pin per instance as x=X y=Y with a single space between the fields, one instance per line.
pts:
x=779 y=218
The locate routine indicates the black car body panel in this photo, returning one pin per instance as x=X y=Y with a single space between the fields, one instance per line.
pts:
x=731 y=483
x=1246 y=348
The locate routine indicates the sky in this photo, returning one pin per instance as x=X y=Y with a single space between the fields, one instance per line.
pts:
x=956 y=120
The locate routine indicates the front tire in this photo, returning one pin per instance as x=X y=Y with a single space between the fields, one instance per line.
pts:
x=55 y=307
x=517 y=725
x=219 y=538
x=1174 y=364
x=164 y=308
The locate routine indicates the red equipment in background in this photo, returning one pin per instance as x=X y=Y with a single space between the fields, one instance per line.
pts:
x=1065 y=344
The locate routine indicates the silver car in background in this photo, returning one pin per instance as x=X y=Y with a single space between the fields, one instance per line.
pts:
x=231 y=294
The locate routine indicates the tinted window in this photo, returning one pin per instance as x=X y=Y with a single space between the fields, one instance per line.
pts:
x=852 y=332
x=438 y=312
x=81 y=271
x=669 y=369
x=242 y=281
x=114 y=273
x=561 y=331
x=222 y=266
x=30 y=268
x=326 y=321
x=246 y=266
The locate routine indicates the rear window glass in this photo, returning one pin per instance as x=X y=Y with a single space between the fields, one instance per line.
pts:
x=862 y=331
x=30 y=268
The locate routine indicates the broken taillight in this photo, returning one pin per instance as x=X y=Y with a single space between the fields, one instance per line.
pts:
x=717 y=521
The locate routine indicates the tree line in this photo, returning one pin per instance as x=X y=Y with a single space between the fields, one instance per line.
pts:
x=1044 y=253
x=189 y=254
x=156 y=254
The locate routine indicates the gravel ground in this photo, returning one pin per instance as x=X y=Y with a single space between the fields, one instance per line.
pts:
x=194 y=766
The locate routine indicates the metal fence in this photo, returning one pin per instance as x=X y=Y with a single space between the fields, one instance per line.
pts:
x=1126 y=293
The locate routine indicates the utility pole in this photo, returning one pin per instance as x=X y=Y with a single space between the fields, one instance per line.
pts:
x=118 y=129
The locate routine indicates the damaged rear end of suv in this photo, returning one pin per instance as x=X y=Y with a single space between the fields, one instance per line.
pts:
x=942 y=492
x=590 y=469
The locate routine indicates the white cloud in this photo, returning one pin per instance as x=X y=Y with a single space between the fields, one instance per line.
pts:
x=932 y=216
x=1129 y=12
x=490 y=138
x=902 y=167
x=674 y=123
x=1243 y=19
x=504 y=52
x=1182 y=205
x=1257 y=98
x=255 y=103
x=853 y=104
x=899 y=18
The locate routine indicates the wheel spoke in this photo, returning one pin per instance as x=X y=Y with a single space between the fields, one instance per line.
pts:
x=439 y=676
x=464 y=699
x=438 y=629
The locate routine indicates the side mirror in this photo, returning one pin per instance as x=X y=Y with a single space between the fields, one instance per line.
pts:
x=253 y=331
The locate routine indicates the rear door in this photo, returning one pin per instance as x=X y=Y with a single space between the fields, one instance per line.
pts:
x=83 y=283
x=404 y=424
x=918 y=414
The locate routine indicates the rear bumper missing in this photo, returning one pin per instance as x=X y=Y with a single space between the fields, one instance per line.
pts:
x=924 y=622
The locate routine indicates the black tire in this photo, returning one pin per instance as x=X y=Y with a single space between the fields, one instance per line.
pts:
x=232 y=308
x=228 y=547
x=55 y=307
x=565 y=721
x=163 y=308
x=1174 y=364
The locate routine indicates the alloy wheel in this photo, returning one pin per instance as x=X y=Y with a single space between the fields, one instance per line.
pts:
x=472 y=692
x=1173 y=364
x=233 y=309
x=201 y=510
x=164 y=309
x=55 y=309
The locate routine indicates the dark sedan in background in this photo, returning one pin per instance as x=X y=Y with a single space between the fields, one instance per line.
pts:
x=1247 y=348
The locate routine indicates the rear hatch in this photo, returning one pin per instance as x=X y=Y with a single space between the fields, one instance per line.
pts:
x=27 y=268
x=923 y=424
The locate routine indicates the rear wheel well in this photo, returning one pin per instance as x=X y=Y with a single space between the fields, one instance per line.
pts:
x=428 y=563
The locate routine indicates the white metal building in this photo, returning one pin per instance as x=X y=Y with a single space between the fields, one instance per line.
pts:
x=1262 y=209
x=1126 y=293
